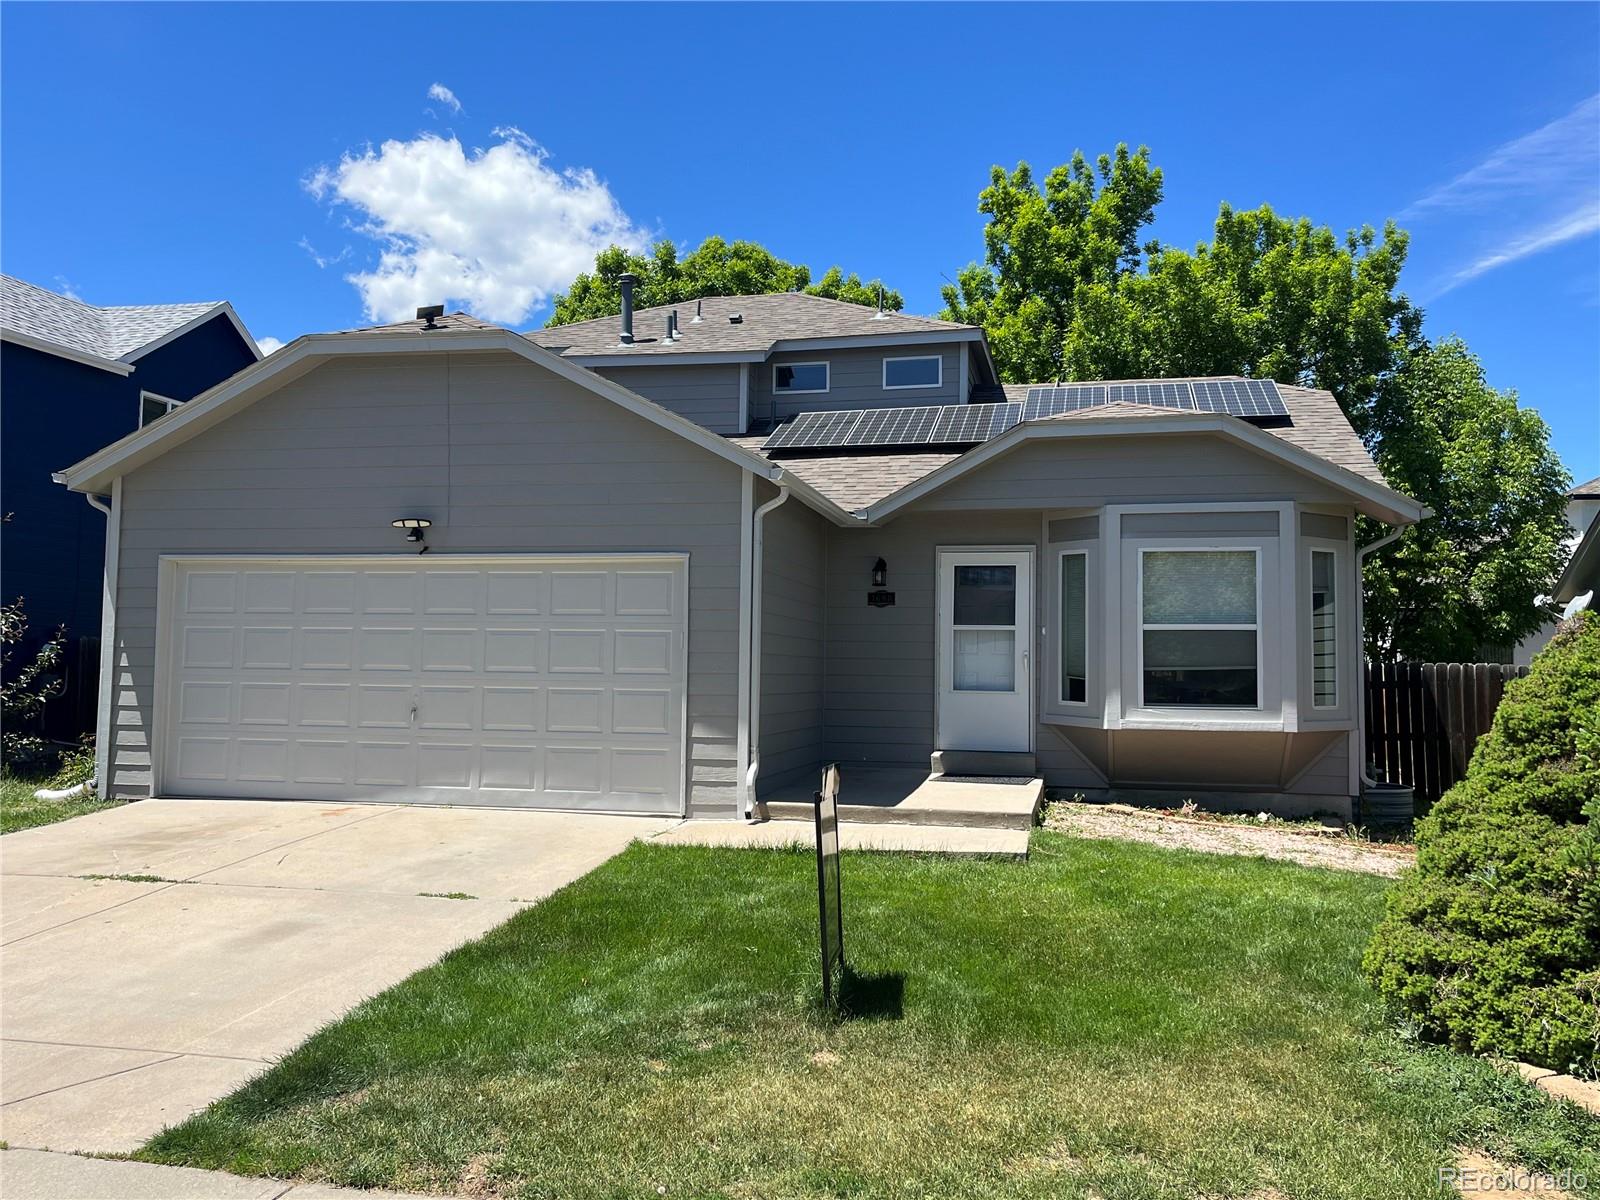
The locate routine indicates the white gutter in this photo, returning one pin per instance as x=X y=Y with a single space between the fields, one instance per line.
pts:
x=108 y=636
x=753 y=701
x=1361 y=643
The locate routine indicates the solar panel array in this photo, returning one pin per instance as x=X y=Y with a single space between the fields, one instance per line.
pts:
x=969 y=424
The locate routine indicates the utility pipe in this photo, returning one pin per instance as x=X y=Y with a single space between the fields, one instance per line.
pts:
x=753 y=720
x=1361 y=643
x=108 y=635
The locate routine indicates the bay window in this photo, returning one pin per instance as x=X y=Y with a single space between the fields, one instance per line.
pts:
x=1324 y=631
x=1074 y=639
x=1200 y=628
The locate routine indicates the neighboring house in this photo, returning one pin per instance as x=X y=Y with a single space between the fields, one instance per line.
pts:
x=74 y=377
x=445 y=563
x=1575 y=589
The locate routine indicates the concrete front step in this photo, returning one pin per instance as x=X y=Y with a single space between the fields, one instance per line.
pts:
x=1000 y=763
x=968 y=804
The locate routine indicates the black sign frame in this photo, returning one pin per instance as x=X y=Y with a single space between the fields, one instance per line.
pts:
x=830 y=903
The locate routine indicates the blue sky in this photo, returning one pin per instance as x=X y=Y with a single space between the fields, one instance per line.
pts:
x=182 y=152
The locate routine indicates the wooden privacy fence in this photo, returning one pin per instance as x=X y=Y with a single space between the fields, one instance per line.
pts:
x=1423 y=719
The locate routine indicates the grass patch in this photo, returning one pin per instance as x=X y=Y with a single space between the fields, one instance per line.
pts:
x=448 y=895
x=20 y=810
x=1107 y=1020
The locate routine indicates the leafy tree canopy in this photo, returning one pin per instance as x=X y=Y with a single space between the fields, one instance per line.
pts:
x=1042 y=246
x=1473 y=574
x=1066 y=291
x=715 y=268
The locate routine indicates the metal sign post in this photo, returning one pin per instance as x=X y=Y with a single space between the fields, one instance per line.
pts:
x=829 y=905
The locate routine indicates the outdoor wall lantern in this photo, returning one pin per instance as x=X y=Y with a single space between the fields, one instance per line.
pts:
x=880 y=573
x=413 y=527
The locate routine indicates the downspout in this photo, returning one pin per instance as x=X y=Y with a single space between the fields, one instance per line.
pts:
x=101 y=783
x=753 y=717
x=1361 y=643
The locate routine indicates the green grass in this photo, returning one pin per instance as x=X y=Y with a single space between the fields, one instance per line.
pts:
x=19 y=809
x=1108 y=1020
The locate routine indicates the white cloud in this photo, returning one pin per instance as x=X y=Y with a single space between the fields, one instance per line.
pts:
x=1581 y=223
x=444 y=95
x=1555 y=158
x=67 y=288
x=1539 y=191
x=268 y=345
x=496 y=231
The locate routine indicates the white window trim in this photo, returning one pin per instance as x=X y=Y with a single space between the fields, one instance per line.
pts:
x=908 y=387
x=1142 y=626
x=1312 y=551
x=1060 y=698
x=827 y=375
x=158 y=398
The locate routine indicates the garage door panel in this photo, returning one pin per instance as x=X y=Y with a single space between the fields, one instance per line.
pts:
x=441 y=684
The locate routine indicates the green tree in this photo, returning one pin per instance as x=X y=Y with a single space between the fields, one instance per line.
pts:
x=1268 y=297
x=715 y=268
x=1473 y=574
x=1042 y=246
x=1067 y=292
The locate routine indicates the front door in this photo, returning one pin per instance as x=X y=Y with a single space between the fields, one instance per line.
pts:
x=985 y=624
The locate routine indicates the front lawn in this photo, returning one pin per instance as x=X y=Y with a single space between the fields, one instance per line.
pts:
x=19 y=809
x=1107 y=1020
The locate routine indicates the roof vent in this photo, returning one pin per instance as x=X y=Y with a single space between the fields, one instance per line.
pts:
x=430 y=313
x=696 y=319
x=625 y=281
x=735 y=318
x=882 y=316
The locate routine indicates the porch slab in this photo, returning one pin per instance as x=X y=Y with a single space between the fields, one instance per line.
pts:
x=909 y=796
x=913 y=839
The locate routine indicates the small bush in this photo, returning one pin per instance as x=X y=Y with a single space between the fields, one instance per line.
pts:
x=1492 y=941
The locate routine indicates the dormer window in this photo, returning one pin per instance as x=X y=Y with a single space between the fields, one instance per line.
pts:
x=789 y=379
x=921 y=371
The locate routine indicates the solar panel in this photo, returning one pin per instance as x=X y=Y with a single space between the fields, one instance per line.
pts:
x=969 y=424
x=1246 y=398
x=815 y=430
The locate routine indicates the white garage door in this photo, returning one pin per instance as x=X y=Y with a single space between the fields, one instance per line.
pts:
x=529 y=682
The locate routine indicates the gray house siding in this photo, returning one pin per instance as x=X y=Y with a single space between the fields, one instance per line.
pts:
x=1068 y=472
x=855 y=381
x=707 y=395
x=503 y=456
x=879 y=694
x=793 y=646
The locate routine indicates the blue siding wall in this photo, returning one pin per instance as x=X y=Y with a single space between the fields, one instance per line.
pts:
x=54 y=412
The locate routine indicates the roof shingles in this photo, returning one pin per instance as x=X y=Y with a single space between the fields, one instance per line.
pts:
x=764 y=321
x=110 y=333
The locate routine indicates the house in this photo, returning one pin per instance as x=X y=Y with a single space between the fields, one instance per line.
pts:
x=1575 y=589
x=672 y=562
x=74 y=377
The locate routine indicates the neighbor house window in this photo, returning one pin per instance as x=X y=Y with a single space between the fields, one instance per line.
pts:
x=1199 y=629
x=800 y=377
x=1324 y=632
x=1074 y=628
x=153 y=407
x=921 y=372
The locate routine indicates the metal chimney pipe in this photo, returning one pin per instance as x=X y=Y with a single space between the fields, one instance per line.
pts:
x=626 y=281
x=675 y=334
x=697 y=317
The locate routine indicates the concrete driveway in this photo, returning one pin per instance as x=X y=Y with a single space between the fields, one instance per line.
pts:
x=127 y=1005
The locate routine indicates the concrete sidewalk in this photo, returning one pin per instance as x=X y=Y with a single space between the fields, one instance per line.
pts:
x=157 y=956
x=41 y=1175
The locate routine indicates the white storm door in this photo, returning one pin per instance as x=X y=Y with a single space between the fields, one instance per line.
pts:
x=985 y=622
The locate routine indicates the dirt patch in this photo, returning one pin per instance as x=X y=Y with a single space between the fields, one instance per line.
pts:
x=1217 y=837
x=1476 y=1174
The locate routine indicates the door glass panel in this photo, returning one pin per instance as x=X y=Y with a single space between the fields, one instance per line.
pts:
x=985 y=660
x=985 y=596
